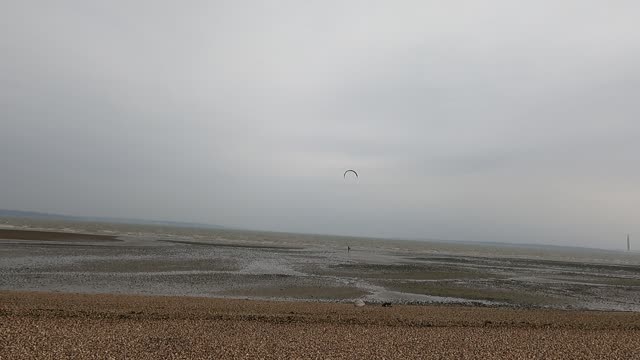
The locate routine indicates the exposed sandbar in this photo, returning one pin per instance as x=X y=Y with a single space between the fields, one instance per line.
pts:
x=12 y=234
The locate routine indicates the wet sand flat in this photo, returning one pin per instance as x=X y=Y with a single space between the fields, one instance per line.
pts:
x=54 y=326
x=12 y=234
x=151 y=260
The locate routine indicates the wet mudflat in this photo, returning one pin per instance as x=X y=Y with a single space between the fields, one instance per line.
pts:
x=233 y=264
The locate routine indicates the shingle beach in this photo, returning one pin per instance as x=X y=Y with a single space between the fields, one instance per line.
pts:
x=57 y=326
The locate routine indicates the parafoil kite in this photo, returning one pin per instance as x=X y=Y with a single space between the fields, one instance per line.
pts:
x=353 y=171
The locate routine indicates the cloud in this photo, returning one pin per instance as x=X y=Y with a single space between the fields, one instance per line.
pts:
x=472 y=121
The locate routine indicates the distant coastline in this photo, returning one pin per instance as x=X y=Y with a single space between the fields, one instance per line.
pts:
x=48 y=216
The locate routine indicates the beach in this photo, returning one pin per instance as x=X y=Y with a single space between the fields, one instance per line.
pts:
x=113 y=291
x=54 y=326
x=152 y=260
x=319 y=180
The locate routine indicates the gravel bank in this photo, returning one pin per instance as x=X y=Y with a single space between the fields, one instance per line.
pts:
x=55 y=326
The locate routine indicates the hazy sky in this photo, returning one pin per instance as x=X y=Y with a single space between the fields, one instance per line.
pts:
x=467 y=120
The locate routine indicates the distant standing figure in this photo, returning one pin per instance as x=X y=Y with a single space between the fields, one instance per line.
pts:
x=348 y=248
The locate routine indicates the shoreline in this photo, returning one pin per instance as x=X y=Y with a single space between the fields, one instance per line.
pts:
x=51 y=325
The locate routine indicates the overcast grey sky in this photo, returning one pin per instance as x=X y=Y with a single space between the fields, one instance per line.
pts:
x=467 y=120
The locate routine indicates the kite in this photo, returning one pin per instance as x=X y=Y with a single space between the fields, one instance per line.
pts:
x=353 y=171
